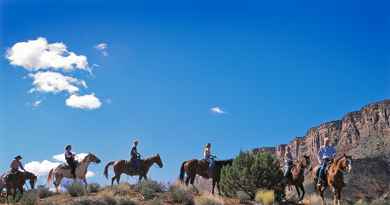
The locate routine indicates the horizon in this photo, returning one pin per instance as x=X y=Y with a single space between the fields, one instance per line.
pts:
x=177 y=75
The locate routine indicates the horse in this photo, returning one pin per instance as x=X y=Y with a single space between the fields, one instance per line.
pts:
x=200 y=167
x=15 y=181
x=334 y=177
x=126 y=167
x=63 y=170
x=297 y=176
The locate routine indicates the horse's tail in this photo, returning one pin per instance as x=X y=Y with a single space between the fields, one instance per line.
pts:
x=106 y=168
x=49 y=177
x=182 y=171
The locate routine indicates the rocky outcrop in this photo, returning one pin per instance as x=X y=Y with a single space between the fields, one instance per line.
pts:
x=363 y=134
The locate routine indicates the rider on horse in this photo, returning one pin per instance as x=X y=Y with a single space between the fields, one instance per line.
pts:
x=135 y=156
x=209 y=158
x=70 y=159
x=325 y=156
x=288 y=162
x=16 y=164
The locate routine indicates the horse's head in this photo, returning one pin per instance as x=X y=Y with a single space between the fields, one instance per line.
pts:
x=92 y=158
x=345 y=163
x=32 y=178
x=158 y=161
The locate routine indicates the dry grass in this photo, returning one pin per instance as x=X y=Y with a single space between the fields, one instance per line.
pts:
x=208 y=199
x=312 y=199
x=265 y=197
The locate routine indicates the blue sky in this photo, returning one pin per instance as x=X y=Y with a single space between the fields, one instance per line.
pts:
x=276 y=68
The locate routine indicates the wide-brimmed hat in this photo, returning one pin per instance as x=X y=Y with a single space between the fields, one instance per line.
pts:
x=18 y=157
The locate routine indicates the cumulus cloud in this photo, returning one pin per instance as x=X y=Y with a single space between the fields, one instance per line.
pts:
x=42 y=168
x=102 y=47
x=217 y=110
x=38 y=54
x=88 y=102
x=49 y=65
x=54 y=82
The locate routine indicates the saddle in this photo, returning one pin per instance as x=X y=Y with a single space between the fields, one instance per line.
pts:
x=66 y=165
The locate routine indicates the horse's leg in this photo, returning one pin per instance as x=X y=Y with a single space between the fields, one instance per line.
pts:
x=188 y=180
x=57 y=182
x=338 y=192
x=118 y=177
x=298 y=192
x=212 y=189
x=322 y=195
x=85 y=183
x=303 y=191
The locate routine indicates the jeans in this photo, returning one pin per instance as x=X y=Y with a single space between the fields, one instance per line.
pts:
x=323 y=167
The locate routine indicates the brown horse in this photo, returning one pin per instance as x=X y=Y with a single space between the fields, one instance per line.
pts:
x=123 y=166
x=63 y=170
x=16 y=181
x=297 y=176
x=334 y=178
x=200 y=167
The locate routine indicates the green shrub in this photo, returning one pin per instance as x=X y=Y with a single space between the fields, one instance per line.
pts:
x=250 y=172
x=76 y=189
x=44 y=192
x=30 y=198
x=149 y=188
x=179 y=195
x=243 y=196
x=93 y=187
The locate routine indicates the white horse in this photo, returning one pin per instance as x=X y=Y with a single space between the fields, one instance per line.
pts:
x=62 y=171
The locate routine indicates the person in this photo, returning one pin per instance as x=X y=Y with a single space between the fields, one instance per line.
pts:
x=135 y=156
x=209 y=158
x=70 y=160
x=288 y=162
x=16 y=164
x=325 y=155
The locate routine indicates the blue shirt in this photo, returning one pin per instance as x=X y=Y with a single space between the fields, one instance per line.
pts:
x=327 y=152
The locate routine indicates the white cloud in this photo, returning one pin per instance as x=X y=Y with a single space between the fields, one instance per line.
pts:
x=41 y=168
x=54 y=82
x=88 y=102
x=217 y=110
x=39 y=54
x=102 y=47
x=90 y=174
x=36 y=103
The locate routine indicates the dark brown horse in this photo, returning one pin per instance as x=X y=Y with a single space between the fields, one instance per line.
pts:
x=16 y=181
x=124 y=166
x=200 y=167
x=297 y=176
x=334 y=178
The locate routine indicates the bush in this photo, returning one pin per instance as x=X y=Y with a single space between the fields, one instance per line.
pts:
x=76 y=189
x=44 y=192
x=156 y=201
x=179 y=195
x=150 y=188
x=251 y=172
x=123 y=190
x=204 y=200
x=265 y=197
x=243 y=196
x=126 y=201
x=93 y=188
x=30 y=198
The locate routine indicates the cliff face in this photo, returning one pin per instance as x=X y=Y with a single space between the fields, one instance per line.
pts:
x=365 y=135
